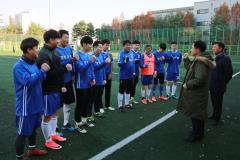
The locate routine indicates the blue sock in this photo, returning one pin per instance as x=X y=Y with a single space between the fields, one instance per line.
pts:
x=161 y=90
x=153 y=90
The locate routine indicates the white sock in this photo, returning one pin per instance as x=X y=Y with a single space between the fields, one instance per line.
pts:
x=127 y=99
x=66 y=113
x=120 y=99
x=148 y=92
x=174 y=88
x=168 y=89
x=46 y=130
x=143 y=93
x=53 y=125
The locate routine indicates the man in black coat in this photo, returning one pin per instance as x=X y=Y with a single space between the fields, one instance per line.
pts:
x=219 y=78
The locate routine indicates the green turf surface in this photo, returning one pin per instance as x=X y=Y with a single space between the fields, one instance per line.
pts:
x=163 y=142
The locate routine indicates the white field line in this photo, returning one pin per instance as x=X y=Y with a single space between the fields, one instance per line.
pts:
x=127 y=140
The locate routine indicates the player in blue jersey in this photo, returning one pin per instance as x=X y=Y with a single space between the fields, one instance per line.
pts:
x=100 y=75
x=29 y=98
x=84 y=80
x=174 y=59
x=137 y=56
x=108 y=70
x=126 y=75
x=66 y=56
x=159 y=68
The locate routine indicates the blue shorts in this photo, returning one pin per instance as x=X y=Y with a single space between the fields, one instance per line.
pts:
x=173 y=77
x=147 y=79
x=27 y=124
x=52 y=102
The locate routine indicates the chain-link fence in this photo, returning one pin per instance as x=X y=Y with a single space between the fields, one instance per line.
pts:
x=230 y=35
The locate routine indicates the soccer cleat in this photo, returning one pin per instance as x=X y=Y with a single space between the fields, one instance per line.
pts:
x=133 y=101
x=154 y=99
x=56 y=137
x=129 y=106
x=59 y=132
x=144 y=101
x=149 y=100
x=80 y=129
x=167 y=97
x=36 y=152
x=102 y=110
x=52 y=145
x=99 y=115
x=175 y=97
x=121 y=109
x=87 y=124
x=91 y=119
x=111 y=108
x=68 y=127
x=162 y=98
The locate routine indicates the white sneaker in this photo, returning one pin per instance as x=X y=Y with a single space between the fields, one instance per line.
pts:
x=80 y=129
x=133 y=101
x=102 y=110
x=111 y=108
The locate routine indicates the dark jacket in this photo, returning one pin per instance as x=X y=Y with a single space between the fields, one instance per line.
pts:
x=221 y=74
x=54 y=80
x=193 y=100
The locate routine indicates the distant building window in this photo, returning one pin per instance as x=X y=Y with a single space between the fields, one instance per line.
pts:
x=202 y=23
x=215 y=10
x=202 y=11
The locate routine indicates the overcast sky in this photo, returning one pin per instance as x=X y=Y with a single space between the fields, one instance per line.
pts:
x=69 y=12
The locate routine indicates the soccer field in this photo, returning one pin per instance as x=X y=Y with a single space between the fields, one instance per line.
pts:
x=163 y=142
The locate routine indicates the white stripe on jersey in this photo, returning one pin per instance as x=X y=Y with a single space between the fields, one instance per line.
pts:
x=78 y=83
x=45 y=97
x=20 y=125
x=26 y=102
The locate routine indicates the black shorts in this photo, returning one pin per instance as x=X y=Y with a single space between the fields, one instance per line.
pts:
x=68 y=97
x=159 y=79
x=125 y=85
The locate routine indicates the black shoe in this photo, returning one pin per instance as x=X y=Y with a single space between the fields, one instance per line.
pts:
x=193 y=138
x=121 y=109
x=129 y=107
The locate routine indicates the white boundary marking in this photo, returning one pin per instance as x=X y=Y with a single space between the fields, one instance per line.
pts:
x=122 y=143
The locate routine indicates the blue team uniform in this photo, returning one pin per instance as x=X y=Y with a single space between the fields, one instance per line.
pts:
x=127 y=70
x=174 y=60
x=66 y=55
x=99 y=69
x=108 y=67
x=84 y=71
x=29 y=98
x=137 y=56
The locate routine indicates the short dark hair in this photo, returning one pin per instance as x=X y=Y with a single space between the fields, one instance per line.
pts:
x=126 y=42
x=220 y=44
x=136 y=42
x=105 y=41
x=148 y=45
x=50 y=34
x=163 y=46
x=200 y=45
x=86 y=40
x=28 y=43
x=173 y=42
x=62 y=32
x=96 y=43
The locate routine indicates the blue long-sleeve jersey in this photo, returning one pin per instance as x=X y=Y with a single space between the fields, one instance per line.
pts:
x=84 y=71
x=159 y=64
x=126 y=64
x=174 y=60
x=137 y=56
x=28 y=88
x=99 y=69
x=66 y=55
x=108 y=67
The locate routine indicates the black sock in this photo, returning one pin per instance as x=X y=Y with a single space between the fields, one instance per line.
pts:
x=20 y=145
x=32 y=140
